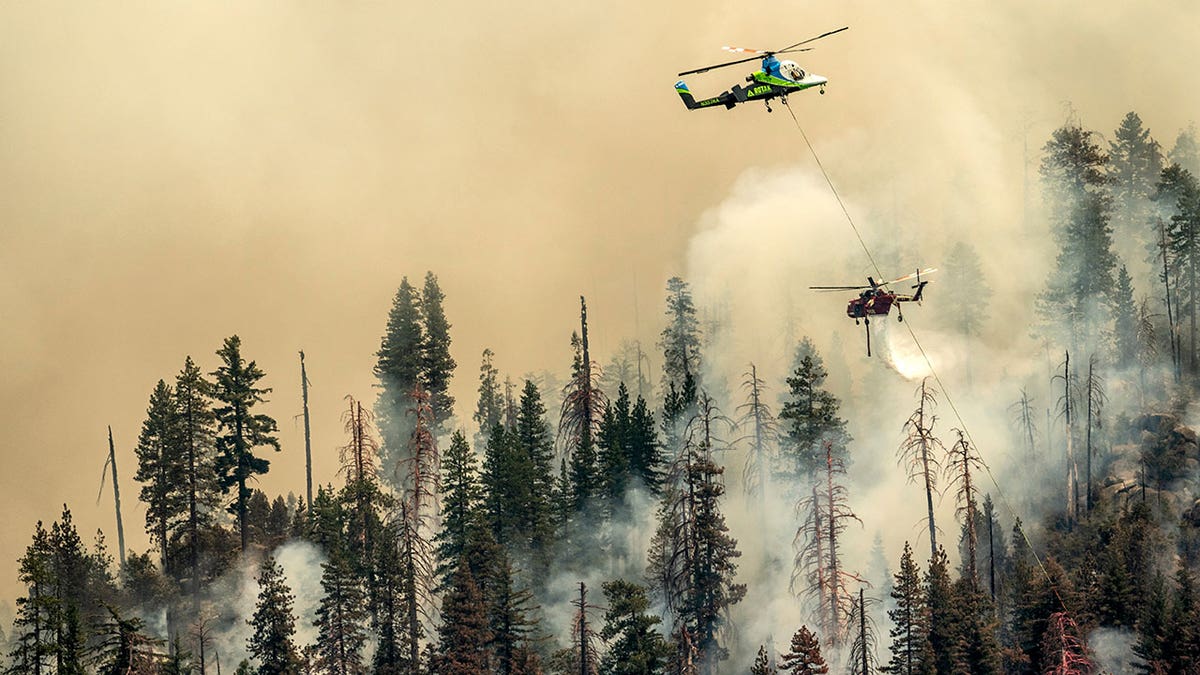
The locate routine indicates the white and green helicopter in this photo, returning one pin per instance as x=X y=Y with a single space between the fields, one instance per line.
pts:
x=777 y=78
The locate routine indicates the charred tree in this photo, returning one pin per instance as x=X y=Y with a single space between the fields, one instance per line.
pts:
x=920 y=450
x=582 y=634
x=961 y=462
x=1063 y=648
x=1022 y=413
x=1096 y=398
x=762 y=435
x=112 y=459
x=819 y=559
x=579 y=420
x=862 y=646
x=423 y=465
x=307 y=432
x=1066 y=407
x=692 y=557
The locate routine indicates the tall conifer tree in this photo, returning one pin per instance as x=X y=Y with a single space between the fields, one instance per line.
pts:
x=274 y=624
x=437 y=365
x=241 y=429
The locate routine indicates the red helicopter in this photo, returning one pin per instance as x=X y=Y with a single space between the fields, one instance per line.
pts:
x=876 y=299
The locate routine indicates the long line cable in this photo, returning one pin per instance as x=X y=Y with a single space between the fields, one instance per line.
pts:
x=929 y=364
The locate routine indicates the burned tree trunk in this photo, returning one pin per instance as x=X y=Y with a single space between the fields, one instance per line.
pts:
x=112 y=459
x=307 y=434
x=962 y=462
x=917 y=452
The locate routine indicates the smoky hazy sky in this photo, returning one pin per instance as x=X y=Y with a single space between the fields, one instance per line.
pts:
x=177 y=172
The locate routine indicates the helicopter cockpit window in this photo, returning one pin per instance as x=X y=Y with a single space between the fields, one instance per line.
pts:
x=793 y=72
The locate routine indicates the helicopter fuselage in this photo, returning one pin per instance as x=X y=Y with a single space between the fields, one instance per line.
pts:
x=777 y=79
x=871 y=303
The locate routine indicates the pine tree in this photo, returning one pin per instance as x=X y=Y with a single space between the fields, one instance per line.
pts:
x=158 y=468
x=943 y=613
x=714 y=567
x=1178 y=191
x=629 y=451
x=489 y=411
x=1079 y=204
x=241 y=430
x=1186 y=151
x=34 y=641
x=635 y=645
x=388 y=613
x=579 y=422
x=1135 y=160
x=762 y=663
x=461 y=498
x=810 y=418
x=680 y=340
x=534 y=447
x=1156 y=636
x=399 y=367
x=506 y=480
x=509 y=620
x=463 y=634
x=437 y=365
x=1125 y=320
x=965 y=284
x=911 y=652
x=804 y=656
x=274 y=623
x=692 y=558
x=199 y=489
x=341 y=619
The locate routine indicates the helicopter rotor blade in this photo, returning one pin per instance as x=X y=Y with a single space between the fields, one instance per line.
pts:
x=906 y=277
x=744 y=50
x=719 y=65
x=831 y=289
x=804 y=42
x=793 y=51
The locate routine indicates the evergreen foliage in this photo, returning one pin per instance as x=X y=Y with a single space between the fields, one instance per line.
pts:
x=341 y=619
x=810 y=417
x=437 y=366
x=912 y=653
x=804 y=655
x=463 y=635
x=1079 y=202
x=635 y=645
x=272 y=642
x=680 y=340
x=240 y=429
x=399 y=366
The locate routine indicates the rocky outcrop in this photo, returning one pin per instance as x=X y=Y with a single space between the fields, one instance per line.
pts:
x=1163 y=464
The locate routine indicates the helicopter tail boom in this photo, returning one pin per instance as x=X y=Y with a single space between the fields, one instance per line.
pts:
x=725 y=98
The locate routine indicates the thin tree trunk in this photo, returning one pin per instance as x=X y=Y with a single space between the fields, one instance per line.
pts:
x=584 y=661
x=307 y=433
x=112 y=458
x=834 y=601
x=1175 y=356
x=927 y=475
x=862 y=630
x=1088 y=500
